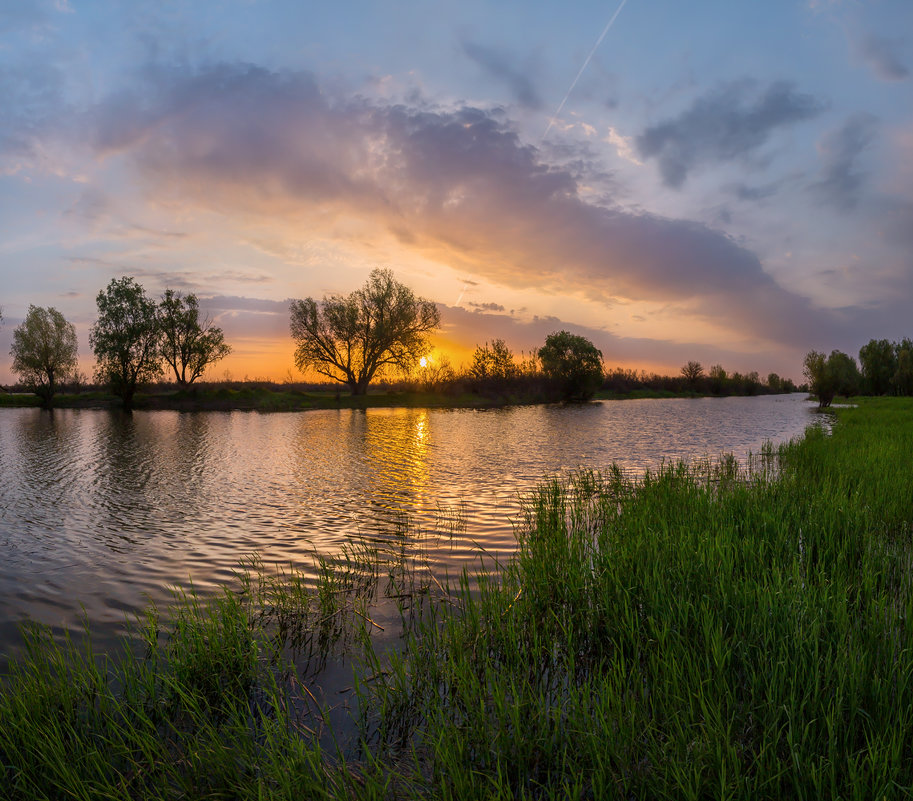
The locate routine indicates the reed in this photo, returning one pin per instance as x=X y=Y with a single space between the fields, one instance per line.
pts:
x=709 y=631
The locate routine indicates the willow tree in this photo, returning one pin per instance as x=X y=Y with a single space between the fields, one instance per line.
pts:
x=354 y=338
x=44 y=351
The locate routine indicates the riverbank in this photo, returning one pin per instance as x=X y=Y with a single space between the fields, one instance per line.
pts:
x=276 y=398
x=693 y=634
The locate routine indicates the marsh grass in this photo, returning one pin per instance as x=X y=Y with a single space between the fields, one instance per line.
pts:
x=707 y=631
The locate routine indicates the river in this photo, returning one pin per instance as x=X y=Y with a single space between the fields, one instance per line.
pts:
x=104 y=511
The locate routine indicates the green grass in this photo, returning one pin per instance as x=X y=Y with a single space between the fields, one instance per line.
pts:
x=705 y=632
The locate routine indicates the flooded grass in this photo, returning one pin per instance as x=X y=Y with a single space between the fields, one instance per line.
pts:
x=713 y=631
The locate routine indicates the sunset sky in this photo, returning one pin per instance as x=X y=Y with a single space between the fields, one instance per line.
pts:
x=730 y=182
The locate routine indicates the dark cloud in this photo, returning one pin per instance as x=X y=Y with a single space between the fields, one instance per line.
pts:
x=470 y=193
x=728 y=124
x=491 y=307
x=882 y=54
x=841 y=181
x=501 y=67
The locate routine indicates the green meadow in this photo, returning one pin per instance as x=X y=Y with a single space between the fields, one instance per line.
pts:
x=705 y=631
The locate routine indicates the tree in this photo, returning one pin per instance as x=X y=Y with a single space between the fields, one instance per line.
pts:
x=44 y=351
x=493 y=361
x=903 y=376
x=878 y=363
x=574 y=363
x=188 y=345
x=692 y=372
x=126 y=338
x=353 y=338
x=435 y=373
x=829 y=376
x=718 y=378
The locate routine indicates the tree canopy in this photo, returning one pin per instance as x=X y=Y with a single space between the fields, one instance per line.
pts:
x=44 y=351
x=829 y=376
x=574 y=363
x=493 y=361
x=188 y=345
x=692 y=371
x=354 y=338
x=125 y=338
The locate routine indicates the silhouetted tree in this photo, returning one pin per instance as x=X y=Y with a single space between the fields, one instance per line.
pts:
x=574 y=363
x=44 y=351
x=188 y=345
x=718 y=379
x=878 y=364
x=353 y=338
x=692 y=372
x=436 y=373
x=126 y=338
x=493 y=360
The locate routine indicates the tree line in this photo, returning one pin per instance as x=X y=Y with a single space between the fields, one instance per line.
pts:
x=133 y=338
x=885 y=368
x=383 y=329
x=379 y=331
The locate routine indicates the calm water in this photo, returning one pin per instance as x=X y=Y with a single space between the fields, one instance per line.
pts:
x=103 y=511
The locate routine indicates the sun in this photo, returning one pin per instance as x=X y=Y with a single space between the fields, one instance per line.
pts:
x=423 y=362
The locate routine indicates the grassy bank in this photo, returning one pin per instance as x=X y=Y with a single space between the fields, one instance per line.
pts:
x=701 y=633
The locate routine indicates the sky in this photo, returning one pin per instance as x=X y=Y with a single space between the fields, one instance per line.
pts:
x=729 y=182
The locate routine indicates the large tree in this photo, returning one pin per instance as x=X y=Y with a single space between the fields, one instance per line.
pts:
x=189 y=345
x=829 y=376
x=353 y=338
x=126 y=338
x=574 y=363
x=44 y=351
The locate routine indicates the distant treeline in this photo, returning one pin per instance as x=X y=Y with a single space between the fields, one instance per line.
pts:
x=495 y=371
x=376 y=335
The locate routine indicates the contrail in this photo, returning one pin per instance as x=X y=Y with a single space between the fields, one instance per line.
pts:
x=602 y=36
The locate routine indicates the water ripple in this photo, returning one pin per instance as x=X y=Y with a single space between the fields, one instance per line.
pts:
x=104 y=510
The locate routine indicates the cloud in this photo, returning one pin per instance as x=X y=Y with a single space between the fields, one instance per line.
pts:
x=490 y=307
x=728 y=124
x=500 y=67
x=841 y=182
x=526 y=336
x=882 y=55
x=248 y=141
x=31 y=98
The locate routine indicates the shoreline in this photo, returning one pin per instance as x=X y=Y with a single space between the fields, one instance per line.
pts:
x=254 y=398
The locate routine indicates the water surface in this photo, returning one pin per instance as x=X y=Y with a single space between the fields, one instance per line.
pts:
x=104 y=510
